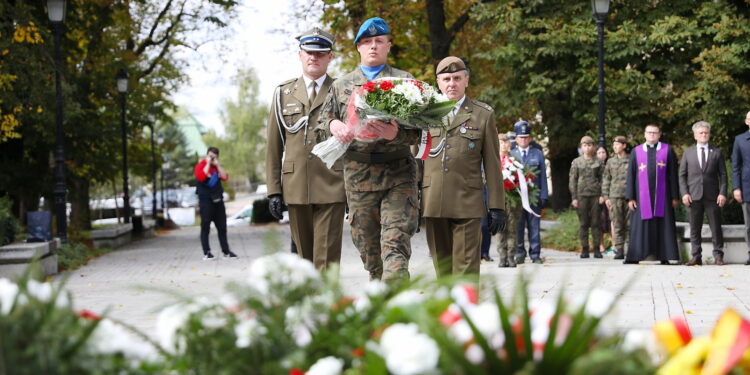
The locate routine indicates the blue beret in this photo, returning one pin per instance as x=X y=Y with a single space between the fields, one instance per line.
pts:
x=522 y=129
x=373 y=27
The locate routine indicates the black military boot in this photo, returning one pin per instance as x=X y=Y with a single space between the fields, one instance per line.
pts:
x=597 y=253
x=585 y=253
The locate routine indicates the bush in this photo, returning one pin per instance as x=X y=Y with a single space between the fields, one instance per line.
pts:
x=9 y=226
x=565 y=236
x=73 y=255
x=261 y=214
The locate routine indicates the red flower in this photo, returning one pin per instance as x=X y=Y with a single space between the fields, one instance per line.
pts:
x=369 y=86
x=508 y=185
x=386 y=85
x=418 y=84
x=530 y=176
x=88 y=314
x=358 y=352
x=296 y=371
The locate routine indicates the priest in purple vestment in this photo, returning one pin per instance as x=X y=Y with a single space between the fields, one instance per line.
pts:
x=652 y=194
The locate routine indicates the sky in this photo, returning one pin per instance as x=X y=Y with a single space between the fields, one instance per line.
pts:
x=254 y=41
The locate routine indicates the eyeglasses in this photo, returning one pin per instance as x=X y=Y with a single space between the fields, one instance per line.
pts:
x=652 y=132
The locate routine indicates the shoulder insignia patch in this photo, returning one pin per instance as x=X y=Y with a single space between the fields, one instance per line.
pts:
x=482 y=105
x=288 y=81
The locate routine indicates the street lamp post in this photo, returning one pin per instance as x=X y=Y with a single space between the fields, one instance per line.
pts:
x=153 y=174
x=122 y=87
x=56 y=14
x=600 y=9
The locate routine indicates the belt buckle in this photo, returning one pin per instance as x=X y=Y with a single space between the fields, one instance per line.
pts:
x=377 y=157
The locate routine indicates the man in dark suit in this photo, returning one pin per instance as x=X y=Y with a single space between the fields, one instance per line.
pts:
x=703 y=185
x=741 y=177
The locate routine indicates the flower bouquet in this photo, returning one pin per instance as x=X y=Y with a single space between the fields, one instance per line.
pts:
x=518 y=183
x=413 y=104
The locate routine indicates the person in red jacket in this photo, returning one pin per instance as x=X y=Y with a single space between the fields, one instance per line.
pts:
x=210 y=193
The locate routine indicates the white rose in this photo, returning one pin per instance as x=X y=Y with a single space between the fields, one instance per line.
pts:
x=407 y=298
x=406 y=351
x=281 y=269
x=326 y=366
x=8 y=293
x=111 y=338
x=246 y=331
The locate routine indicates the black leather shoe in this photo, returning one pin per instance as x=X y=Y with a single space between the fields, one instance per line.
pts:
x=747 y=263
x=597 y=254
x=537 y=261
x=630 y=262
x=694 y=261
x=584 y=254
x=619 y=255
x=664 y=262
x=522 y=260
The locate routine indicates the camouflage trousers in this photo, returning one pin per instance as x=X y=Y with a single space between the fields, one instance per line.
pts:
x=620 y=216
x=506 y=239
x=383 y=223
x=588 y=217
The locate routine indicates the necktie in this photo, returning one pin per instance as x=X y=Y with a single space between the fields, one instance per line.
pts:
x=523 y=156
x=449 y=117
x=313 y=94
x=703 y=158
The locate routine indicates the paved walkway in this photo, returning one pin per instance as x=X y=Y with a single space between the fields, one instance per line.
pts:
x=131 y=282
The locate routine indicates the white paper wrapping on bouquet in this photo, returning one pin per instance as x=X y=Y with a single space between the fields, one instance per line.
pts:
x=330 y=150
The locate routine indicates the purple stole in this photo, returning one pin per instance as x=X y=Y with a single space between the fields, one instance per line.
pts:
x=650 y=209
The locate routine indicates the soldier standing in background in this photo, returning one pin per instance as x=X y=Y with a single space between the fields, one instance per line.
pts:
x=613 y=193
x=585 y=189
x=314 y=194
x=506 y=243
x=452 y=186
x=380 y=176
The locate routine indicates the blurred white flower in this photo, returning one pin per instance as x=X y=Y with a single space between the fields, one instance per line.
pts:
x=8 y=293
x=375 y=288
x=486 y=317
x=171 y=319
x=408 y=352
x=246 y=331
x=283 y=271
x=474 y=354
x=461 y=331
x=407 y=298
x=326 y=366
x=42 y=291
x=362 y=303
x=111 y=338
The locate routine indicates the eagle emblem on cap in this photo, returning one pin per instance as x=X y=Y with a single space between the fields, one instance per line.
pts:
x=372 y=29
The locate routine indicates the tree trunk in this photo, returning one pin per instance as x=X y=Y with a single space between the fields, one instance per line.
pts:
x=80 y=212
x=563 y=135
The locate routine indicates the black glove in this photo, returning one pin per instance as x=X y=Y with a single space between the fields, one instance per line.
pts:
x=276 y=206
x=496 y=220
x=542 y=203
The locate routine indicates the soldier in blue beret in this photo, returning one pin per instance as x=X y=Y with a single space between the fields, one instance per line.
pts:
x=532 y=157
x=380 y=176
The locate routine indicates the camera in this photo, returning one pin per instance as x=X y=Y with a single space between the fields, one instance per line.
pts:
x=213 y=158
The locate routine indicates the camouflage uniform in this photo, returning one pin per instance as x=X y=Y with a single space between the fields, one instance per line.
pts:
x=613 y=188
x=586 y=186
x=382 y=194
x=507 y=238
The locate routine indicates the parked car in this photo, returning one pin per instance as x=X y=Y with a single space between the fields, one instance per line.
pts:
x=241 y=218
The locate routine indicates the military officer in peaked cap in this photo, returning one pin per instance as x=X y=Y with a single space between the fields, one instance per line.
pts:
x=380 y=176
x=532 y=157
x=452 y=183
x=314 y=194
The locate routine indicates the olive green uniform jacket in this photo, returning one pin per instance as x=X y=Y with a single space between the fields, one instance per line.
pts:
x=452 y=185
x=291 y=169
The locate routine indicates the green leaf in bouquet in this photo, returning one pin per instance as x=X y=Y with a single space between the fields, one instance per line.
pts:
x=438 y=110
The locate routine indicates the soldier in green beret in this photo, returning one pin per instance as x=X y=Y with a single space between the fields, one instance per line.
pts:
x=381 y=176
x=613 y=192
x=585 y=189
x=314 y=194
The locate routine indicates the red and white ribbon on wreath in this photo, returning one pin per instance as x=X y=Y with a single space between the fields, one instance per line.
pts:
x=524 y=193
x=424 y=145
